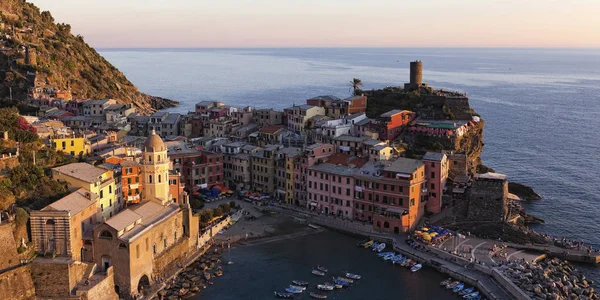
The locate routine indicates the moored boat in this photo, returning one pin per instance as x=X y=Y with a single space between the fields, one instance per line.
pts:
x=318 y=273
x=284 y=295
x=293 y=290
x=318 y=296
x=298 y=287
x=380 y=247
x=325 y=287
x=374 y=245
x=446 y=282
x=406 y=262
x=362 y=243
x=348 y=280
x=458 y=287
x=466 y=291
x=322 y=269
x=471 y=295
x=300 y=282
x=382 y=254
x=416 y=268
x=341 y=282
x=452 y=285
x=352 y=276
x=368 y=244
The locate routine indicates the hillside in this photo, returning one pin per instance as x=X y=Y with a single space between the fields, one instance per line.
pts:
x=431 y=104
x=58 y=59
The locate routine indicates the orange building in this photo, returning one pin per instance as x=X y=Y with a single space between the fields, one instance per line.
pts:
x=390 y=195
x=130 y=179
x=356 y=104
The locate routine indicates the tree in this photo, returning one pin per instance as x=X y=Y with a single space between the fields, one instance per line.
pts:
x=225 y=207
x=354 y=85
x=6 y=198
x=232 y=204
x=218 y=211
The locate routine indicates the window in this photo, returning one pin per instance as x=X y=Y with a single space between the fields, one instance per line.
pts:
x=147 y=244
x=137 y=179
x=110 y=189
x=128 y=180
x=149 y=178
x=159 y=178
x=137 y=251
x=72 y=143
x=165 y=242
x=432 y=175
x=64 y=145
x=433 y=195
x=433 y=186
x=101 y=207
x=106 y=235
x=347 y=192
x=347 y=180
x=101 y=194
x=385 y=187
x=412 y=202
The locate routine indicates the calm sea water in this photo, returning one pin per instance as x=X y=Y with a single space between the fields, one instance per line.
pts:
x=541 y=106
x=260 y=270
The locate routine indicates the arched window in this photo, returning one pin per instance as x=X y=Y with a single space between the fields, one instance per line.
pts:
x=106 y=235
x=50 y=222
x=149 y=178
x=149 y=158
x=159 y=178
x=386 y=224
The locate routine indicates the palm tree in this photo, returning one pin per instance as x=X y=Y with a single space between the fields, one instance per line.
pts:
x=354 y=84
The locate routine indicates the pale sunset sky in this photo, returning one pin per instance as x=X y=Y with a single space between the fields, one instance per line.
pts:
x=330 y=23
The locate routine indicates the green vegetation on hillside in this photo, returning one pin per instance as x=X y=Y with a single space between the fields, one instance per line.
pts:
x=63 y=60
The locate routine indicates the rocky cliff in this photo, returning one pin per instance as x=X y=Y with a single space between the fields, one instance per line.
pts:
x=34 y=50
x=433 y=105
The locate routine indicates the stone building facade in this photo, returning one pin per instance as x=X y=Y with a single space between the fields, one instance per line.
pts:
x=488 y=198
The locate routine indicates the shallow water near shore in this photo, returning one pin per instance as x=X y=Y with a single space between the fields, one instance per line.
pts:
x=259 y=270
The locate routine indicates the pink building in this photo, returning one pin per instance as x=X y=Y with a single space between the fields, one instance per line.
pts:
x=436 y=172
x=331 y=185
x=312 y=154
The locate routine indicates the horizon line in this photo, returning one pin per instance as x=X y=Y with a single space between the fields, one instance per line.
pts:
x=357 y=47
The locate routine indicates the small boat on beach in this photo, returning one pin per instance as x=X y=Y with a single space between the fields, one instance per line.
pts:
x=284 y=295
x=353 y=276
x=322 y=269
x=318 y=296
x=325 y=287
x=416 y=268
x=300 y=282
x=318 y=273
x=458 y=287
x=466 y=291
x=452 y=285
x=446 y=282
x=298 y=287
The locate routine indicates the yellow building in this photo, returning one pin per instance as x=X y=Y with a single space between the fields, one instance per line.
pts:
x=92 y=179
x=155 y=169
x=72 y=145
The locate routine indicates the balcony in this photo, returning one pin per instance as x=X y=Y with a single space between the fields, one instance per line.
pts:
x=133 y=198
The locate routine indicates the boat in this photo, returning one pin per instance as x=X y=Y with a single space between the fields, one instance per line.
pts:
x=374 y=245
x=300 y=282
x=466 y=291
x=338 y=285
x=283 y=295
x=368 y=244
x=318 y=296
x=352 y=276
x=388 y=257
x=399 y=261
x=293 y=290
x=406 y=262
x=362 y=243
x=318 y=273
x=411 y=264
x=324 y=287
x=452 y=285
x=322 y=269
x=380 y=247
x=298 y=287
x=446 y=282
x=416 y=267
x=382 y=254
x=471 y=295
x=341 y=283
x=458 y=287
x=348 y=280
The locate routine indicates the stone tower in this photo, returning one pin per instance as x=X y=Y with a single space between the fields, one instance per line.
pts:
x=416 y=74
x=155 y=170
x=30 y=56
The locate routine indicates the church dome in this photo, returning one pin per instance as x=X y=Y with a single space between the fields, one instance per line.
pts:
x=154 y=143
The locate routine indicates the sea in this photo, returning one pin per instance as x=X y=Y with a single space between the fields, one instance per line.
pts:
x=541 y=107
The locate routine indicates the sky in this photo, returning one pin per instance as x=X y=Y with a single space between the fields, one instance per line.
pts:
x=330 y=23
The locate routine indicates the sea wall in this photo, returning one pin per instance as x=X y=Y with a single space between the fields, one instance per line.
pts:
x=509 y=285
x=173 y=255
x=16 y=284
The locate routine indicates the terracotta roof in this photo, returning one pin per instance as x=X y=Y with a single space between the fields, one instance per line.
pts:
x=346 y=160
x=82 y=171
x=271 y=129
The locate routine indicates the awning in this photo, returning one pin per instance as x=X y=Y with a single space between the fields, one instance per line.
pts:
x=397 y=210
x=313 y=203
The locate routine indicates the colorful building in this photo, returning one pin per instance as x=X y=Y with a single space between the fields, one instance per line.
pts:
x=436 y=172
x=300 y=114
x=390 y=124
x=390 y=195
x=72 y=145
x=94 y=180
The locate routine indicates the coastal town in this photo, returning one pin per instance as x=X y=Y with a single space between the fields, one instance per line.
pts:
x=108 y=198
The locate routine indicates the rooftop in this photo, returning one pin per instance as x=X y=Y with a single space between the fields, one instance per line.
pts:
x=172 y=118
x=434 y=156
x=325 y=98
x=145 y=214
x=81 y=171
x=392 y=112
x=74 y=202
x=335 y=169
x=404 y=165
x=271 y=129
x=491 y=176
x=349 y=138
x=346 y=160
x=363 y=122
x=290 y=151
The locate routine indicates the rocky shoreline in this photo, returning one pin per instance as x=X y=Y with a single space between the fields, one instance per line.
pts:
x=194 y=277
x=550 y=279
